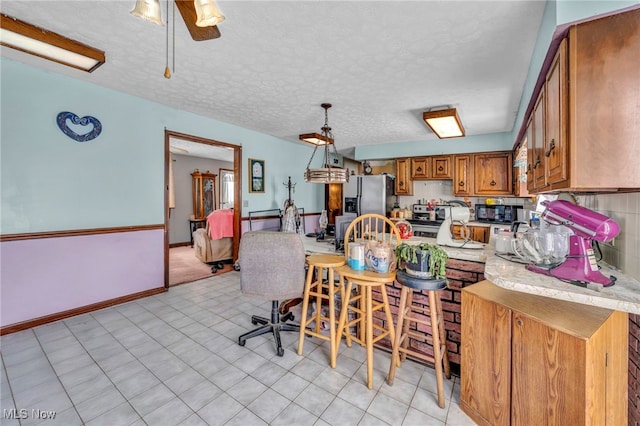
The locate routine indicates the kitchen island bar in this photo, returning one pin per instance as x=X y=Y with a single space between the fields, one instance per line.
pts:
x=467 y=267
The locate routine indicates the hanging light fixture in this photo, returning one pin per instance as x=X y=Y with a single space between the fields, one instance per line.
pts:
x=148 y=10
x=208 y=13
x=326 y=174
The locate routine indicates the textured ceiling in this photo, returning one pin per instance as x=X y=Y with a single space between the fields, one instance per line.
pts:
x=381 y=63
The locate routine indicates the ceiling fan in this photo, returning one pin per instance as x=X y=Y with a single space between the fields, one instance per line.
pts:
x=200 y=16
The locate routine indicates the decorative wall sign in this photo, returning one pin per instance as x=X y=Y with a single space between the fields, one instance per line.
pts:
x=84 y=121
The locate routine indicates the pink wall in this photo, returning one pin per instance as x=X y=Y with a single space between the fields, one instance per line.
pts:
x=46 y=276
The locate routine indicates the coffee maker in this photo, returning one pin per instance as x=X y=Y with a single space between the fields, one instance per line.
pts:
x=580 y=265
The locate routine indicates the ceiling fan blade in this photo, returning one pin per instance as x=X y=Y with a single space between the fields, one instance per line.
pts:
x=188 y=12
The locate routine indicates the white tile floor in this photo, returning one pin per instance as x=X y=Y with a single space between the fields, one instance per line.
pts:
x=173 y=359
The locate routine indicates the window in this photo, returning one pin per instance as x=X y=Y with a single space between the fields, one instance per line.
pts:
x=227 y=189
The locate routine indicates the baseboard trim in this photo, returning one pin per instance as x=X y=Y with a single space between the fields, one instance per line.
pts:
x=78 y=311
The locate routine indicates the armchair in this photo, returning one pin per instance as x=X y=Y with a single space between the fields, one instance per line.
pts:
x=272 y=268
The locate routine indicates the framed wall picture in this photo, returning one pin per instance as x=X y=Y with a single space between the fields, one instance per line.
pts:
x=256 y=175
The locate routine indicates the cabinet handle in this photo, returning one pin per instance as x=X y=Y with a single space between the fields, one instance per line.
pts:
x=552 y=145
x=519 y=322
x=461 y=183
x=493 y=183
x=419 y=169
x=400 y=184
x=537 y=163
x=440 y=168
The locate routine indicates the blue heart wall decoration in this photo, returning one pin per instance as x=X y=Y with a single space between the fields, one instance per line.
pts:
x=84 y=121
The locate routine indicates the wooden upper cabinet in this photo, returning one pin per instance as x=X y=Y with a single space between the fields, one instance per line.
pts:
x=441 y=167
x=463 y=175
x=493 y=173
x=403 y=182
x=437 y=167
x=537 y=159
x=555 y=124
x=420 y=168
x=586 y=121
x=603 y=102
x=530 y=151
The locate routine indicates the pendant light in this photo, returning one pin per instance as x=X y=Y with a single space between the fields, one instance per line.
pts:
x=208 y=13
x=148 y=10
x=327 y=173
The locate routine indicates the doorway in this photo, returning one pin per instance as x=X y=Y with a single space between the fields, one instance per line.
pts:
x=210 y=144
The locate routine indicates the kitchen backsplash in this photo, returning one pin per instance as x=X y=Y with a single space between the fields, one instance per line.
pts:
x=623 y=208
x=442 y=190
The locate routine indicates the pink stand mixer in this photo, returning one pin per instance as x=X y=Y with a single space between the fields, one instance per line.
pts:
x=580 y=265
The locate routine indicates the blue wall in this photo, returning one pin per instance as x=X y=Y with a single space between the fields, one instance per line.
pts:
x=49 y=182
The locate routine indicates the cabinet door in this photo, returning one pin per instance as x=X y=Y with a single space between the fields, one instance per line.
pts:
x=441 y=167
x=403 y=184
x=555 y=121
x=530 y=151
x=420 y=168
x=485 y=388
x=548 y=376
x=493 y=173
x=481 y=233
x=537 y=154
x=462 y=175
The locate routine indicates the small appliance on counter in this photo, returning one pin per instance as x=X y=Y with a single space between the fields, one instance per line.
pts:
x=497 y=213
x=452 y=214
x=562 y=247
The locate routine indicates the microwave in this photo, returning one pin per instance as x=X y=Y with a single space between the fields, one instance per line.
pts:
x=497 y=213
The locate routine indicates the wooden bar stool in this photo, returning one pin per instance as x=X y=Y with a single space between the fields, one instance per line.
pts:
x=407 y=314
x=367 y=228
x=320 y=291
x=361 y=303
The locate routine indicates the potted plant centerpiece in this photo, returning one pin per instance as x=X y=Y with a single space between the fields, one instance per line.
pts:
x=422 y=260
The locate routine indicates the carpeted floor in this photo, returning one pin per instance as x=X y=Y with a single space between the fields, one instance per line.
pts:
x=185 y=267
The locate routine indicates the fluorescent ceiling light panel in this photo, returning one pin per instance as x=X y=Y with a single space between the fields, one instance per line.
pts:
x=444 y=123
x=45 y=44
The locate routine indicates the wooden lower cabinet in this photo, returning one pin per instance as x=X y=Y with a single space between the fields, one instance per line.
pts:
x=475 y=233
x=533 y=360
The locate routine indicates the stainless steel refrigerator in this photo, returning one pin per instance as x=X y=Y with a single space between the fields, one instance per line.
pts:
x=368 y=194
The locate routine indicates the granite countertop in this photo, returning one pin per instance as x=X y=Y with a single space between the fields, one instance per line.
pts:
x=623 y=296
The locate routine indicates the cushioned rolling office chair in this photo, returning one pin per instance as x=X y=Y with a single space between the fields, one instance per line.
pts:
x=271 y=268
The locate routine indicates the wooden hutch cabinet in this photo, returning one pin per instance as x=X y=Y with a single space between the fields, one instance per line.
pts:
x=403 y=182
x=203 y=189
x=522 y=363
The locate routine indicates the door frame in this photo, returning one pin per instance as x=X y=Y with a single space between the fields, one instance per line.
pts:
x=237 y=177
